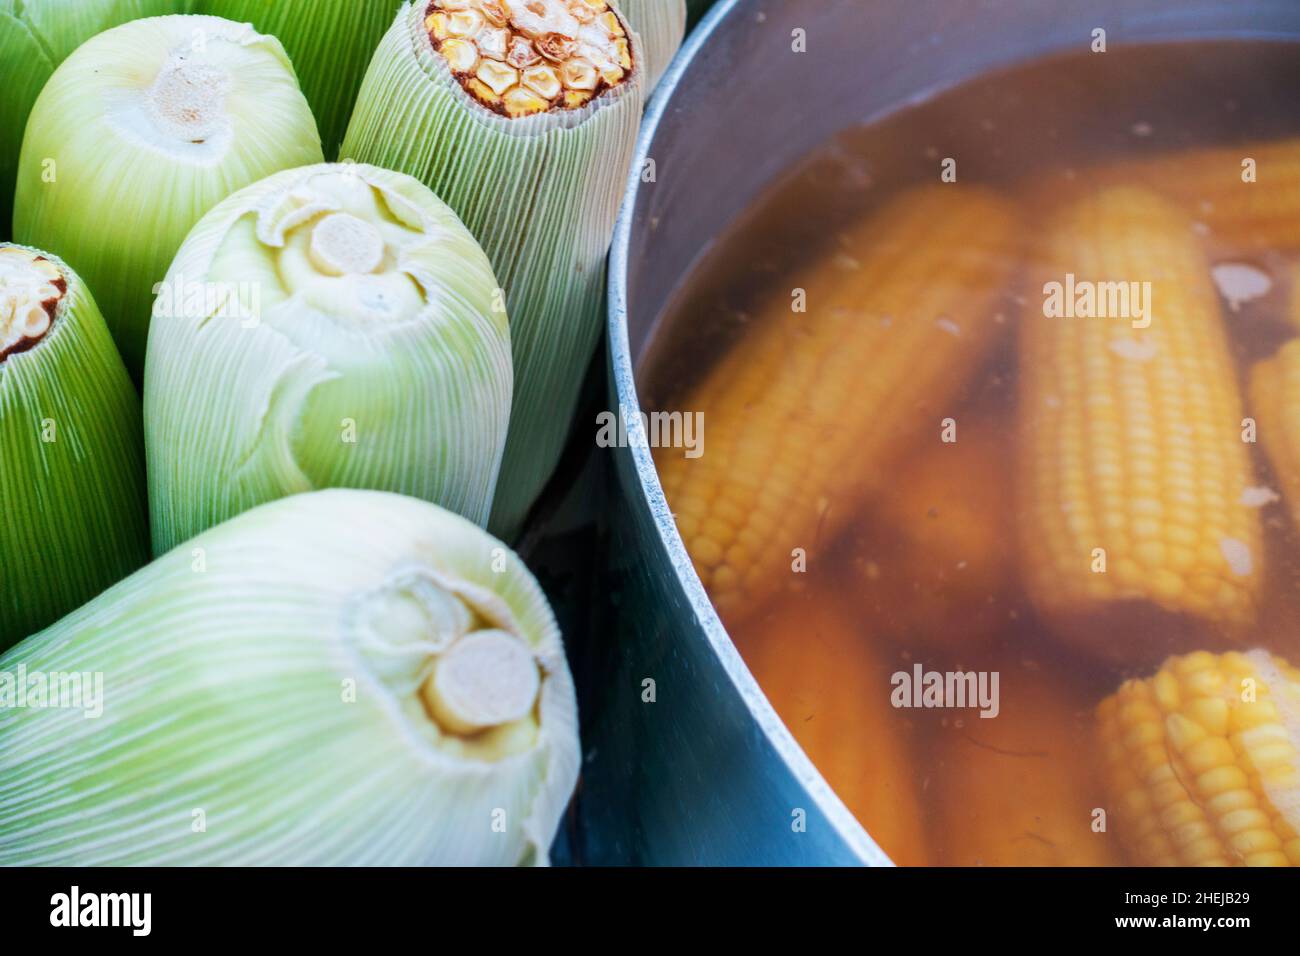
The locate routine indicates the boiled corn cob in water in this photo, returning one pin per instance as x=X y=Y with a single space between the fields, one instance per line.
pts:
x=1203 y=762
x=1020 y=788
x=1137 y=533
x=810 y=410
x=1243 y=198
x=830 y=684
x=1275 y=405
x=932 y=561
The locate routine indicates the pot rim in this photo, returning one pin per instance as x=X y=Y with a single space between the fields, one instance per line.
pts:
x=846 y=826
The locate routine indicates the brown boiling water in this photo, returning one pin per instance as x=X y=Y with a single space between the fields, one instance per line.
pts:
x=943 y=785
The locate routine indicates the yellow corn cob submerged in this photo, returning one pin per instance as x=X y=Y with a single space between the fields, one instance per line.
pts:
x=811 y=409
x=932 y=562
x=1136 y=534
x=1260 y=212
x=1020 y=788
x=826 y=680
x=1203 y=762
x=1275 y=405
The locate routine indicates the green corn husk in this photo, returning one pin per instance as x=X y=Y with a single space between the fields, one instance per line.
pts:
x=330 y=43
x=541 y=194
x=276 y=365
x=661 y=25
x=35 y=37
x=72 y=487
x=269 y=692
x=114 y=184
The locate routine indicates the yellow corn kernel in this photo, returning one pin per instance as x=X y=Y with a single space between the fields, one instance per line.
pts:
x=1020 y=788
x=1136 y=538
x=1275 y=406
x=933 y=560
x=810 y=410
x=486 y=46
x=1241 y=198
x=1202 y=762
x=831 y=687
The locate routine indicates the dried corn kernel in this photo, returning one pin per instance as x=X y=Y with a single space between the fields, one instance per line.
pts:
x=565 y=51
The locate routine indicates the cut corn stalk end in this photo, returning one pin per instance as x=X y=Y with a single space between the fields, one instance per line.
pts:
x=72 y=481
x=520 y=57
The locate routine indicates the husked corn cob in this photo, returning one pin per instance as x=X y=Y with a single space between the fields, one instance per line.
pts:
x=1136 y=536
x=1232 y=213
x=809 y=410
x=1203 y=761
x=1021 y=788
x=1275 y=406
x=933 y=562
x=830 y=685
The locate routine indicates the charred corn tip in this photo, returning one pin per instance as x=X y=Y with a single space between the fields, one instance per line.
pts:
x=1203 y=761
x=1133 y=471
x=30 y=289
x=519 y=57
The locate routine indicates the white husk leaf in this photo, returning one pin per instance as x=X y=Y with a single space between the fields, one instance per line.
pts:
x=72 y=486
x=141 y=131
x=278 y=377
x=661 y=25
x=541 y=194
x=260 y=703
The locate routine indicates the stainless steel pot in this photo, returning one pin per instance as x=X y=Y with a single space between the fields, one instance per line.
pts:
x=707 y=773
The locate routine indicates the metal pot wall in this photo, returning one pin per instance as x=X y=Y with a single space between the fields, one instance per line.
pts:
x=706 y=773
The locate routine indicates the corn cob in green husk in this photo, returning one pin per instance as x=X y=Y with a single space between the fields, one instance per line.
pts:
x=809 y=414
x=35 y=37
x=72 y=500
x=330 y=43
x=1136 y=534
x=660 y=24
x=1203 y=762
x=532 y=151
x=342 y=677
x=138 y=134
x=360 y=343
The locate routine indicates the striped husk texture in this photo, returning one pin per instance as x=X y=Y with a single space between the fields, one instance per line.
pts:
x=260 y=704
x=541 y=195
x=319 y=390
x=35 y=37
x=115 y=197
x=660 y=24
x=330 y=43
x=72 y=484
